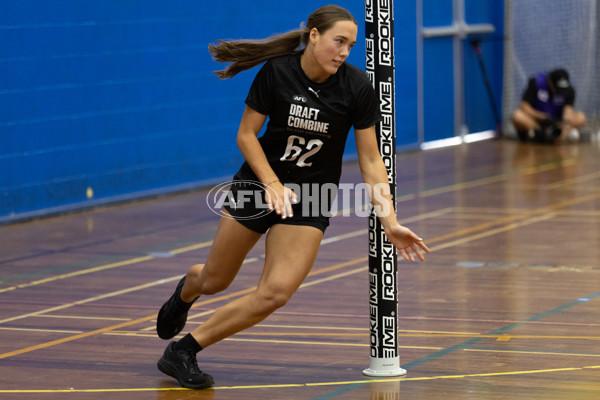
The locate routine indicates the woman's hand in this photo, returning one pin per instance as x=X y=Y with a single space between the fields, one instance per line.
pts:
x=406 y=240
x=280 y=199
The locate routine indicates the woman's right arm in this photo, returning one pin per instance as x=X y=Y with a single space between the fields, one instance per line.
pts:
x=278 y=197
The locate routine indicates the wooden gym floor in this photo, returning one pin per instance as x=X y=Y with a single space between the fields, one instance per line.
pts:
x=506 y=305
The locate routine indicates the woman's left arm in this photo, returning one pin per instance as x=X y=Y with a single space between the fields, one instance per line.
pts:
x=375 y=177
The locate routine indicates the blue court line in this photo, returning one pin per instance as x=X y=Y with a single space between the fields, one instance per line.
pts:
x=535 y=351
x=466 y=344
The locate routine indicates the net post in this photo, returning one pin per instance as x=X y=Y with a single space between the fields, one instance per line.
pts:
x=383 y=264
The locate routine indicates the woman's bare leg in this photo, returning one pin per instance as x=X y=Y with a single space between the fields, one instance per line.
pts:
x=290 y=253
x=231 y=245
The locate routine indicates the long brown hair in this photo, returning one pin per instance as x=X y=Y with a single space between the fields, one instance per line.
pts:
x=245 y=54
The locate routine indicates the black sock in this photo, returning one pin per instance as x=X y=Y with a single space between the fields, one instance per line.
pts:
x=187 y=343
x=180 y=304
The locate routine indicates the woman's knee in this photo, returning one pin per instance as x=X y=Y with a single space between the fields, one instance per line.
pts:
x=271 y=299
x=206 y=283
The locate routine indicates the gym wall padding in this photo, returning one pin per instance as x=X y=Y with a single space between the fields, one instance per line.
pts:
x=109 y=100
x=102 y=101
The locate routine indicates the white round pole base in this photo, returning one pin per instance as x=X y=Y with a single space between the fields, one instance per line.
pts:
x=384 y=367
x=395 y=372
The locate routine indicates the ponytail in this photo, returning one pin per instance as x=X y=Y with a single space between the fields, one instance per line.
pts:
x=246 y=54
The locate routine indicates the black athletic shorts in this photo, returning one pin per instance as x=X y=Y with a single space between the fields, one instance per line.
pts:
x=246 y=204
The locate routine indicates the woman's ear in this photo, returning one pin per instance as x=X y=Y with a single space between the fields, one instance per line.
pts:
x=314 y=36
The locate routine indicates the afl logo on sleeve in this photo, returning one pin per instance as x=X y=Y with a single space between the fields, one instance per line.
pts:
x=300 y=99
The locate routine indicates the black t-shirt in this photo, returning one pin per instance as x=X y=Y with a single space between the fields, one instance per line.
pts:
x=308 y=121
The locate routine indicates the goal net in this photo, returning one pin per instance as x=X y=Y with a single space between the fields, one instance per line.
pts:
x=542 y=35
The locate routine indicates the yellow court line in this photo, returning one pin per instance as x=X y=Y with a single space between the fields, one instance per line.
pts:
x=277 y=341
x=503 y=336
x=571 y=181
x=335 y=334
x=89 y=300
x=305 y=284
x=546 y=167
x=197 y=246
x=308 y=384
x=74 y=337
x=248 y=290
x=3 y=328
x=544 y=212
x=128 y=262
x=81 y=317
x=336 y=276
x=192 y=247
x=492 y=232
x=342 y=328
x=312 y=343
x=463 y=185
x=80 y=272
x=526 y=218
x=431 y=335
x=416 y=334
x=208 y=243
x=139 y=320
x=332 y=328
x=239 y=293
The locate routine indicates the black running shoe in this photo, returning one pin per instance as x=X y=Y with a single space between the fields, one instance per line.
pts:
x=183 y=366
x=173 y=314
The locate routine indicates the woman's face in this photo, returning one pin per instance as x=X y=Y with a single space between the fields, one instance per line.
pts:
x=332 y=47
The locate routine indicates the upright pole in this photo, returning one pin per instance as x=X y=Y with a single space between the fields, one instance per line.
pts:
x=383 y=264
x=488 y=87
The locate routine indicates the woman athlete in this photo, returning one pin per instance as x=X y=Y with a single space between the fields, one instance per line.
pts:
x=312 y=98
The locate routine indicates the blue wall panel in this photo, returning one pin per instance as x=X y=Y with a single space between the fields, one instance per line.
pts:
x=405 y=39
x=438 y=79
x=479 y=115
x=440 y=109
x=437 y=12
x=120 y=96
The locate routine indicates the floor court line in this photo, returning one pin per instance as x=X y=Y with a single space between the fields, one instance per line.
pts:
x=553 y=353
x=309 y=384
x=499 y=331
x=276 y=341
x=427 y=334
x=89 y=300
x=468 y=344
x=500 y=321
x=305 y=284
x=499 y=221
x=136 y=321
x=80 y=317
x=427 y=193
x=80 y=272
x=194 y=247
x=115 y=327
x=323 y=270
x=212 y=300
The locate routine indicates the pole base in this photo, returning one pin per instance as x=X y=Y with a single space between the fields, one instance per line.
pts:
x=384 y=367
x=395 y=372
